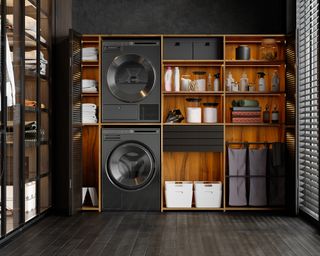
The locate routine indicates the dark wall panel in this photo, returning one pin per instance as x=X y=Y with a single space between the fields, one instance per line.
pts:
x=179 y=16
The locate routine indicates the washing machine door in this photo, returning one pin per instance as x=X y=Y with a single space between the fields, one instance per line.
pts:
x=131 y=77
x=130 y=166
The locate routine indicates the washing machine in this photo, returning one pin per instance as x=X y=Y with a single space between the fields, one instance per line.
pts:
x=131 y=80
x=131 y=169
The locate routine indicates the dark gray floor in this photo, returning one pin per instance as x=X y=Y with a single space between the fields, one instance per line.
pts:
x=139 y=234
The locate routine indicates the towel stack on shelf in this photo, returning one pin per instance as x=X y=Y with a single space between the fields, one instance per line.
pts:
x=89 y=86
x=245 y=111
x=90 y=54
x=89 y=113
x=31 y=62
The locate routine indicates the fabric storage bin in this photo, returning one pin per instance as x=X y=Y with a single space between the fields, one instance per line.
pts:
x=207 y=49
x=177 y=49
x=178 y=194
x=207 y=194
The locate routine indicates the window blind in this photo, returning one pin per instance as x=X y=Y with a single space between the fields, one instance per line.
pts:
x=308 y=105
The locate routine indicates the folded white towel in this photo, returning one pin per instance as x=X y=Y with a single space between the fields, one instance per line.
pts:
x=89 y=83
x=90 y=90
x=89 y=105
x=92 y=58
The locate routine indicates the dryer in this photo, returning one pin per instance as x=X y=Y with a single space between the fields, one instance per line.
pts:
x=131 y=80
x=131 y=169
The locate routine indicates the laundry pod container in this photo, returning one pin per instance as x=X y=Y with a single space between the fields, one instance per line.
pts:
x=210 y=112
x=178 y=194
x=193 y=110
x=207 y=194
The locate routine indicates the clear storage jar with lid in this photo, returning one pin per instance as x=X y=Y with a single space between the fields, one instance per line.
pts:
x=193 y=110
x=186 y=83
x=199 y=79
x=210 y=112
x=268 y=49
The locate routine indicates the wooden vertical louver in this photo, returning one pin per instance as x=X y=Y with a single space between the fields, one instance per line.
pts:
x=76 y=132
x=308 y=106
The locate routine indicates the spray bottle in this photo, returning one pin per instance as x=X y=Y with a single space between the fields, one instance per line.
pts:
x=261 y=82
x=168 y=79
x=216 y=82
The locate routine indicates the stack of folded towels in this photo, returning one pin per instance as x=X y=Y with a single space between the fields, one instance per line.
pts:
x=89 y=113
x=245 y=111
x=90 y=53
x=31 y=62
x=89 y=86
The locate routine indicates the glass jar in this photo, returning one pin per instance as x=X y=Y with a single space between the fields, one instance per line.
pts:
x=193 y=110
x=199 y=80
x=210 y=112
x=268 y=49
x=186 y=83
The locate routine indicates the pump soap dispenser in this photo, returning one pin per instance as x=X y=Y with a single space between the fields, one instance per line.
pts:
x=261 y=82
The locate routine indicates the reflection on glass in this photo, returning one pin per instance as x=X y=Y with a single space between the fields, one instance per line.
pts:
x=45 y=201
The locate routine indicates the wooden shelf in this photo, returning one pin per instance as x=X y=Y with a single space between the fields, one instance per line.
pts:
x=195 y=124
x=90 y=208
x=90 y=63
x=190 y=93
x=90 y=94
x=254 y=124
x=130 y=124
x=193 y=63
x=253 y=63
x=192 y=209
x=263 y=94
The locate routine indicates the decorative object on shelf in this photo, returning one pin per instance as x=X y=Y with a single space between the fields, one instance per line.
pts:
x=193 y=110
x=229 y=82
x=200 y=80
x=245 y=111
x=261 y=82
x=242 y=52
x=268 y=49
x=209 y=83
x=275 y=82
x=89 y=196
x=176 y=79
x=174 y=116
x=275 y=115
x=207 y=194
x=185 y=82
x=89 y=86
x=266 y=115
x=210 y=112
x=216 y=82
x=251 y=87
x=168 y=80
x=89 y=54
x=178 y=194
x=244 y=82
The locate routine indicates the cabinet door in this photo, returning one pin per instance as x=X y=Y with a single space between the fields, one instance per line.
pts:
x=76 y=119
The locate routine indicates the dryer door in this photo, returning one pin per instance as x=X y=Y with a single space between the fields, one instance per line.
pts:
x=131 y=77
x=130 y=166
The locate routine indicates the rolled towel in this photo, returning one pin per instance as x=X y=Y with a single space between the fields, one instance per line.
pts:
x=245 y=103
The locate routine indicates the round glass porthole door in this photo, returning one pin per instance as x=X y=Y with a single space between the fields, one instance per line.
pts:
x=130 y=77
x=130 y=166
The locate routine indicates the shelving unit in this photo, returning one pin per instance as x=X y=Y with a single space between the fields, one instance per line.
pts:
x=198 y=166
x=91 y=131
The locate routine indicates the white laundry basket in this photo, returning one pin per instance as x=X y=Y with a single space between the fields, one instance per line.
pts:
x=208 y=194
x=178 y=194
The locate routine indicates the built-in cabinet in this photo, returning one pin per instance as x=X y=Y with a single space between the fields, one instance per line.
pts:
x=199 y=151
x=25 y=180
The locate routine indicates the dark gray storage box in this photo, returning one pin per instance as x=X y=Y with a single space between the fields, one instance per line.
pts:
x=208 y=49
x=193 y=138
x=177 y=49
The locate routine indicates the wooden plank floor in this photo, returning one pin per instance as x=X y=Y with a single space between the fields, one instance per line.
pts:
x=183 y=233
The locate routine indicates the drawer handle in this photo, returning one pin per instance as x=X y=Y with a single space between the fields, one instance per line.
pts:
x=177 y=44
x=207 y=44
